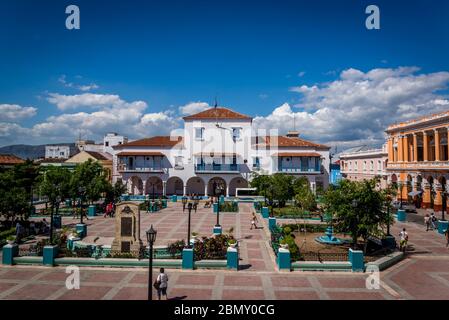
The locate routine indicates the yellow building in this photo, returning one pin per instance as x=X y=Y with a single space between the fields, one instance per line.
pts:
x=418 y=158
x=103 y=158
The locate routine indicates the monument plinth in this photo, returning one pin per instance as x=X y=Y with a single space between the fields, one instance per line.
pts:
x=127 y=227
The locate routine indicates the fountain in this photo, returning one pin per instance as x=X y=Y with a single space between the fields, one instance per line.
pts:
x=329 y=238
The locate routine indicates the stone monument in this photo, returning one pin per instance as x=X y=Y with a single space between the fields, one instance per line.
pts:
x=127 y=228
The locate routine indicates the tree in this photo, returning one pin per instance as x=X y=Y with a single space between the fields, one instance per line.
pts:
x=281 y=188
x=304 y=197
x=261 y=183
x=114 y=192
x=357 y=208
x=92 y=178
x=55 y=184
x=16 y=188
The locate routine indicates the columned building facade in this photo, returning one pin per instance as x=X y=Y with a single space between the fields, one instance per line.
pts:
x=217 y=154
x=418 y=159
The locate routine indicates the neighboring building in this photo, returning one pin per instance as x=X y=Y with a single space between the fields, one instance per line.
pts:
x=335 y=175
x=89 y=145
x=364 y=163
x=103 y=158
x=111 y=140
x=9 y=160
x=57 y=152
x=418 y=158
x=216 y=155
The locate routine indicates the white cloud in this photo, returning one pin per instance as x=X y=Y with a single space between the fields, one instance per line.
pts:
x=359 y=106
x=193 y=107
x=14 y=112
x=62 y=79
x=91 y=100
x=301 y=74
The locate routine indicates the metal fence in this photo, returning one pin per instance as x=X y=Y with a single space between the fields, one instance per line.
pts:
x=325 y=256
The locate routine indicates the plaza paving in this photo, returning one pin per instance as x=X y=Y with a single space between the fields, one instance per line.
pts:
x=423 y=274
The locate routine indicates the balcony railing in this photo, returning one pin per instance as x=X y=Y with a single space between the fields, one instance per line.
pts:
x=298 y=170
x=217 y=167
x=419 y=165
x=124 y=168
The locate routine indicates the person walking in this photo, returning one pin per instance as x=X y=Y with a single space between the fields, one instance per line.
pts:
x=254 y=222
x=433 y=220
x=403 y=235
x=161 y=284
x=427 y=221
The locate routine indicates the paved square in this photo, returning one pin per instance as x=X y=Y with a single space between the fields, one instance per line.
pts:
x=423 y=274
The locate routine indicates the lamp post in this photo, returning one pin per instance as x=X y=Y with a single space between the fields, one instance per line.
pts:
x=151 y=238
x=218 y=213
x=189 y=207
x=184 y=202
x=444 y=204
x=355 y=205
x=81 y=191
x=400 y=195
x=388 y=215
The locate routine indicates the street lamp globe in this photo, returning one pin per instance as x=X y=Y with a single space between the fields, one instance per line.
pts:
x=151 y=235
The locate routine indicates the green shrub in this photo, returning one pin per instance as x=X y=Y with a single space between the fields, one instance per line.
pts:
x=6 y=233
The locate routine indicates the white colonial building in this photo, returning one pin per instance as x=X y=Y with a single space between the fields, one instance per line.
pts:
x=217 y=153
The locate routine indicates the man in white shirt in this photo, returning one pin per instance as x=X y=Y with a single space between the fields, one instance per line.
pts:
x=162 y=280
x=404 y=239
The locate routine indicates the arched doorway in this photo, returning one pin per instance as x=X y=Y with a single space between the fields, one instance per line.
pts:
x=135 y=186
x=237 y=182
x=154 y=187
x=175 y=186
x=216 y=187
x=409 y=188
x=195 y=185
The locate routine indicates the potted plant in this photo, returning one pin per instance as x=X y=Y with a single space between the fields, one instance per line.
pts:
x=283 y=243
x=232 y=243
x=10 y=239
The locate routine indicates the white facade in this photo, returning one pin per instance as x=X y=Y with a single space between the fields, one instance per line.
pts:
x=111 y=140
x=57 y=152
x=215 y=155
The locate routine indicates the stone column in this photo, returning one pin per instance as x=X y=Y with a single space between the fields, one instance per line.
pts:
x=425 y=139
x=144 y=187
x=415 y=147
x=437 y=145
x=390 y=150
x=164 y=188
x=184 y=189
x=400 y=149
x=227 y=190
x=438 y=201
x=406 y=148
x=205 y=189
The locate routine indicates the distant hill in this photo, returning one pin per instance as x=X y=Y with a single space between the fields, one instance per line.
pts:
x=32 y=152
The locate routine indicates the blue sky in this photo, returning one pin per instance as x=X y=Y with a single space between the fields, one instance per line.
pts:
x=269 y=59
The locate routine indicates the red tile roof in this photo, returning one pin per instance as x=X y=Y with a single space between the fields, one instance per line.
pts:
x=217 y=113
x=297 y=154
x=158 y=141
x=9 y=159
x=134 y=153
x=97 y=155
x=282 y=141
